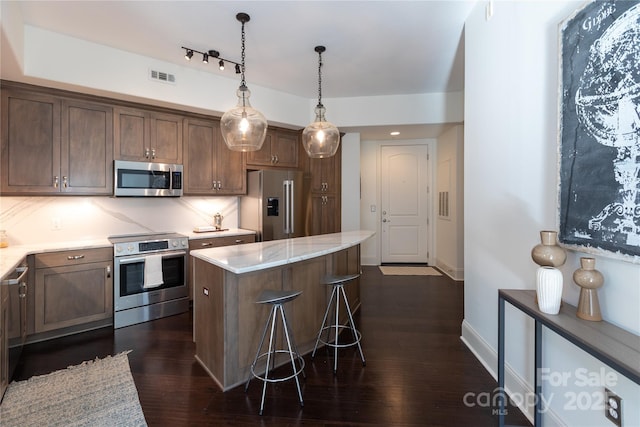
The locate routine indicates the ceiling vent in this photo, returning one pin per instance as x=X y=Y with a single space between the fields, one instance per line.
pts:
x=161 y=76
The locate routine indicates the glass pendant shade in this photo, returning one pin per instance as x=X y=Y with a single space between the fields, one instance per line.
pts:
x=243 y=127
x=321 y=138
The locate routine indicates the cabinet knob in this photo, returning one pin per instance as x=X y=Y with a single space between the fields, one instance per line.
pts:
x=108 y=271
x=146 y=152
x=153 y=153
x=65 y=184
x=55 y=181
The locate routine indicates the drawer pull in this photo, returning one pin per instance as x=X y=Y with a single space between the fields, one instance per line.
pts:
x=108 y=271
x=238 y=241
x=207 y=244
x=74 y=257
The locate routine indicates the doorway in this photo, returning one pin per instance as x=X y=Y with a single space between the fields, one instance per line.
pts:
x=404 y=213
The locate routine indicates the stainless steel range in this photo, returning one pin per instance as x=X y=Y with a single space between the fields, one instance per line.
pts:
x=150 y=277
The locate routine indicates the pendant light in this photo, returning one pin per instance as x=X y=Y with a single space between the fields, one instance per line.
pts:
x=243 y=127
x=321 y=138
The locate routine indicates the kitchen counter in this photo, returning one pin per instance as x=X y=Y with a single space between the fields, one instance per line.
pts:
x=11 y=256
x=262 y=255
x=227 y=280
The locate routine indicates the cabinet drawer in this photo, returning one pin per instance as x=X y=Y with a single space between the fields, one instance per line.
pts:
x=214 y=242
x=73 y=257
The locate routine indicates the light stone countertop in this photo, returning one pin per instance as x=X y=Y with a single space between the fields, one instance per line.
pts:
x=12 y=256
x=262 y=255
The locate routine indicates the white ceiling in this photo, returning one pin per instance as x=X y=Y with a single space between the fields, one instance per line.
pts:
x=373 y=47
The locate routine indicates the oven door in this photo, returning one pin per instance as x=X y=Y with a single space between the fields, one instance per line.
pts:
x=129 y=290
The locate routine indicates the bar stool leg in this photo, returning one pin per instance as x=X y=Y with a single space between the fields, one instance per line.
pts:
x=353 y=326
x=324 y=322
x=291 y=355
x=264 y=334
x=337 y=325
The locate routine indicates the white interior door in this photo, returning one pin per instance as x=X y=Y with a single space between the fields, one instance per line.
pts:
x=404 y=203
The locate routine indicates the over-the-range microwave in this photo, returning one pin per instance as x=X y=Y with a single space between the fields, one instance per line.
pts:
x=146 y=179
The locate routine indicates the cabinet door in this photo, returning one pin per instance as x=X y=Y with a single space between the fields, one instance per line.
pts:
x=263 y=156
x=87 y=148
x=285 y=149
x=166 y=138
x=199 y=158
x=30 y=143
x=325 y=215
x=4 y=340
x=326 y=174
x=72 y=295
x=230 y=169
x=131 y=138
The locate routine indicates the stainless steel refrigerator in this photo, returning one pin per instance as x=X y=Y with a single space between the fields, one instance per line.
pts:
x=275 y=205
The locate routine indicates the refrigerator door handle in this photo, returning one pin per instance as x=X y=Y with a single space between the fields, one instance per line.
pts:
x=288 y=206
x=285 y=190
x=291 y=206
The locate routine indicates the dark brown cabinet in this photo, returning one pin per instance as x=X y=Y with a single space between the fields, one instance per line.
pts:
x=53 y=145
x=142 y=135
x=280 y=149
x=325 y=185
x=210 y=167
x=72 y=289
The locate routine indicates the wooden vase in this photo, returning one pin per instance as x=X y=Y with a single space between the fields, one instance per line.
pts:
x=589 y=279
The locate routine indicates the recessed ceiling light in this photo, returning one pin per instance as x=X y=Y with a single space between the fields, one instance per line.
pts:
x=394 y=133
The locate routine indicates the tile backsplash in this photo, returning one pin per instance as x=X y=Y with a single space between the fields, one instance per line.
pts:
x=48 y=219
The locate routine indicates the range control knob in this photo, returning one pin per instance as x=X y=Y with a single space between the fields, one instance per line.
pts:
x=130 y=248
x=118 y=249
x=174 y=243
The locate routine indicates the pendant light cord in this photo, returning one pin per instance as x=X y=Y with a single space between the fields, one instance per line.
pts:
x=242 y=81
x=320 y=79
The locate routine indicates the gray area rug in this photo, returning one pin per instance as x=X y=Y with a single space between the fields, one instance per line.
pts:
x=95 y=393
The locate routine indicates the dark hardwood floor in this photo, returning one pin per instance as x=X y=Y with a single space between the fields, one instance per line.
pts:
x=417 y=371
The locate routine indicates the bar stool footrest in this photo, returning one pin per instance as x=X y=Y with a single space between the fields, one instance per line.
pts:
x=341 y=345
x=279 y=379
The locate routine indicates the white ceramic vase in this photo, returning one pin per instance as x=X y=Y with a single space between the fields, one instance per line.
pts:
x=549 y=289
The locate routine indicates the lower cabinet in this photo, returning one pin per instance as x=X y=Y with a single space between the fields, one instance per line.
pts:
x=4 y=339
x=73 y=290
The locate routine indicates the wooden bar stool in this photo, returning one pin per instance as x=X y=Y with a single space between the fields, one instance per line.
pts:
x=277 y=298
x=338 y=294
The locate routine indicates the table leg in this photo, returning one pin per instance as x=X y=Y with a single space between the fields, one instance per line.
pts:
x=501 y=391
x=538 y=374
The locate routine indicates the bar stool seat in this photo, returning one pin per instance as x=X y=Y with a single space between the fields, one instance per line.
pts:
x=338 y=294
x=277 y=298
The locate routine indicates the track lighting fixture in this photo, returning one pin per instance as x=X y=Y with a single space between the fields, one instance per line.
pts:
x=321 y=138
x=243 y=127
x=211 y=53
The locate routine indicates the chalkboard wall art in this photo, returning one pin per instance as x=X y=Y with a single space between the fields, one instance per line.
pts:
x=599 y=190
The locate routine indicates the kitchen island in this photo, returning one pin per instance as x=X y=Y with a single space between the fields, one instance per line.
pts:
x=227 y=280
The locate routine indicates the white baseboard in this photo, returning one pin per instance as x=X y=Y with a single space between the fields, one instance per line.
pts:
x=515 y=385
x=455 y=273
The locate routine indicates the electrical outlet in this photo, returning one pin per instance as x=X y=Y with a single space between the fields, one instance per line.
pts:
x=613 y=407
x=56 y=223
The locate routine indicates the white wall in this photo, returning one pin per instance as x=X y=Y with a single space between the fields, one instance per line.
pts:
x=510 y=172
x=350 y=217
x=449 y=247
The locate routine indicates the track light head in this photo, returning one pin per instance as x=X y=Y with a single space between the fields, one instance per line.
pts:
x=238 y=70
x=205 y=58
x=214 y=53
x=221 y=65
x=188 y=55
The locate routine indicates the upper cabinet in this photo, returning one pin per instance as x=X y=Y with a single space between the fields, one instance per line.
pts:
x=280 y=150
x=210 y=167
x=149 y=136
x=55 y=145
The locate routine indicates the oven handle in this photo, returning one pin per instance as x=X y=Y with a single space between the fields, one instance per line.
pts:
x=127 y=260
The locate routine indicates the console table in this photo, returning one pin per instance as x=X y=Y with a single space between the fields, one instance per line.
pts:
x=608 y=343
